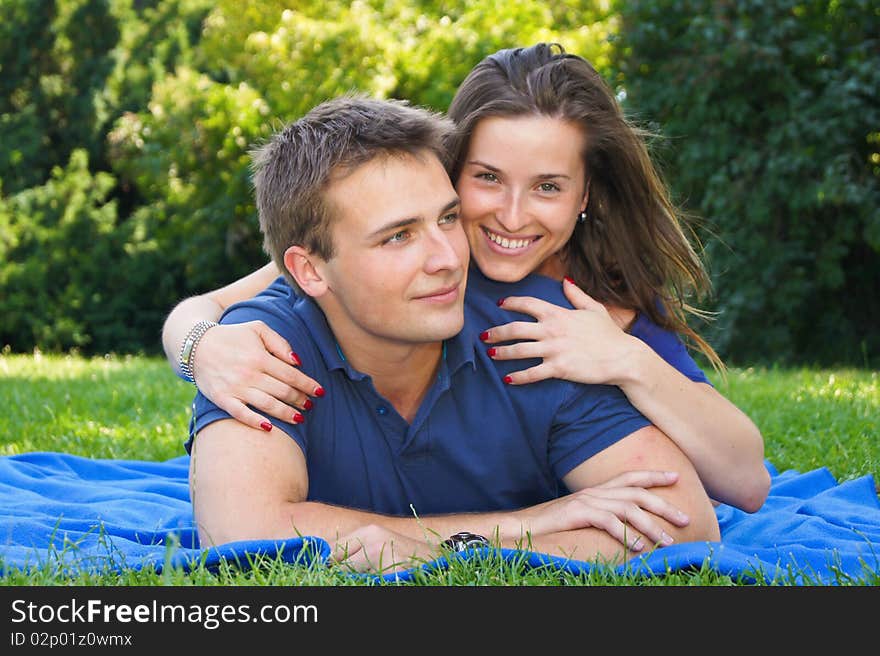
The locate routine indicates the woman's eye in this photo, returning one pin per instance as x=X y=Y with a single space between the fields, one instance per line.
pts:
x=488 y=177
x=548 y=186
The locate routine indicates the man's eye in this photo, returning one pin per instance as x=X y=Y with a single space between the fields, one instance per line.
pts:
x=398 y=237
x=448 y=219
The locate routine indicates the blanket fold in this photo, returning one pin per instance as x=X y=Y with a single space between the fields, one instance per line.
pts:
x=67 y=512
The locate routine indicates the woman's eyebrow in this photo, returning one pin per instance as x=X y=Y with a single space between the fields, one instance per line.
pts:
x=495 y=169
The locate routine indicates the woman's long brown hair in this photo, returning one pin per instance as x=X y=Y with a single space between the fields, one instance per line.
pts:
x=632 y=250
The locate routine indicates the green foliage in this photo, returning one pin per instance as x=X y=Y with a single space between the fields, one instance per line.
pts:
x=69 y=274
x=771 y=110
x=773 y=118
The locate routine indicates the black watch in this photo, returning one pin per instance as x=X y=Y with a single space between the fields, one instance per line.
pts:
x=464 y=541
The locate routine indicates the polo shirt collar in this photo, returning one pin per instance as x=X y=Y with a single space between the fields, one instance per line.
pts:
x=457 y=351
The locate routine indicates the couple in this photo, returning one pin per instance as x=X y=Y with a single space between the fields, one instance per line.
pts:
x=414 y=424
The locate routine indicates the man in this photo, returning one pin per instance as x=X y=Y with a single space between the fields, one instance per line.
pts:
x=417 y=438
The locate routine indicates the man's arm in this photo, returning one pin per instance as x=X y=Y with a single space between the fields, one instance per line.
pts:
x=249 y=485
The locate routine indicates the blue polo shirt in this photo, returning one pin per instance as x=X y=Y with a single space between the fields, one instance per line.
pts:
x=476 y=444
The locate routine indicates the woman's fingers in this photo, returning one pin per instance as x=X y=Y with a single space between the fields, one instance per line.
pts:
x=287 y=383
x=245 y=415
x=515 y=330
x=272 y=407
x=528 y=305
x=276 y=344
x=578 y=297
x=541 y=371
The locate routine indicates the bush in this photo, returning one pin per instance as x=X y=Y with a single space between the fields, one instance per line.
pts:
x=772 y=115
x=64 y=273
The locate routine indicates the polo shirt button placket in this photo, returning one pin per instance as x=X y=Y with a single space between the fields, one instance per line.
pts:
x=382 y=410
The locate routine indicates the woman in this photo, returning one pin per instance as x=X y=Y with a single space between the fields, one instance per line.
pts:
x=553 y=180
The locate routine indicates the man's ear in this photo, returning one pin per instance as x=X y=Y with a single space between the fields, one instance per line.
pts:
x=306 y=268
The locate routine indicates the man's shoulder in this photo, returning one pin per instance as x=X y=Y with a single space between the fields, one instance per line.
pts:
x=280 y=308
x=483 y=294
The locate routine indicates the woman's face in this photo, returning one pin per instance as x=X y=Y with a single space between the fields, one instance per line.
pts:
x=522 y=186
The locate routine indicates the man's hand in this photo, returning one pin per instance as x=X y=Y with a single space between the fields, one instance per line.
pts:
x=377 y=549
x=622 y=507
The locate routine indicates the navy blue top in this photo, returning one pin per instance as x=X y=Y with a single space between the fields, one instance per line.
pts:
x=476 y=444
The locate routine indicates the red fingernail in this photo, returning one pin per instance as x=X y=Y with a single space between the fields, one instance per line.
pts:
x=484 y=335
x=295 y=358
x=298 y=418
x=308 y=405
x=266 y=426
x=319 y=391
x=568 y=279
x=500 y=302
x=508 y=380
x=491 y=352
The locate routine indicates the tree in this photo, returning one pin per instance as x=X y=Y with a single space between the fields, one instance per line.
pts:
x=772 y=122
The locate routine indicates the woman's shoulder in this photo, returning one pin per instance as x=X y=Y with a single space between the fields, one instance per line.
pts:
x=668 y=345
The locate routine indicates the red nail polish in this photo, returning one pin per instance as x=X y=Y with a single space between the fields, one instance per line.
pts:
x=295 y=358
x=491 y=352
x=298 y=418
x=266 y=426
x=500 y=302
x=308 y=405
x=484 y=335
x=319 y=391
x=508 y=380
x=569 y=279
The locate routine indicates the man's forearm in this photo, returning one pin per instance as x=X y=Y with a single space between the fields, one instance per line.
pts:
x=332 y=522
x=587 y=544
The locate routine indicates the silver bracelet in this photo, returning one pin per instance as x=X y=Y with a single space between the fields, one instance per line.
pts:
x=188 y=350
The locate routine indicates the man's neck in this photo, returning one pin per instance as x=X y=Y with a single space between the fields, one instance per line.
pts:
x=402 y=373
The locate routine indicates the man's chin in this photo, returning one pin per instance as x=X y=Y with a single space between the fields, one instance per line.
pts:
x=437 y=331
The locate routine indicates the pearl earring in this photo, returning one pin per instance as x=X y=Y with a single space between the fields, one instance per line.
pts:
x=582 y=217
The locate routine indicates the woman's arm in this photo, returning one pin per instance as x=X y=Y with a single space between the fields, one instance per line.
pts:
x=586 y=345
x=240 y=365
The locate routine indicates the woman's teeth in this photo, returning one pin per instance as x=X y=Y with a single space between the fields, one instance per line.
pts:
x=504 y=242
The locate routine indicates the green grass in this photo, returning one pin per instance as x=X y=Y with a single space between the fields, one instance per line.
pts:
x=135 y=408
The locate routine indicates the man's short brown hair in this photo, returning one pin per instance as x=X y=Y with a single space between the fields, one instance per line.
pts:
x=293 y=169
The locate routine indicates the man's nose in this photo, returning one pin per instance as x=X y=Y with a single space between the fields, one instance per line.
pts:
x=442 y=251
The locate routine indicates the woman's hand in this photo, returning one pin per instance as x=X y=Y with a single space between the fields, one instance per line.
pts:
x=583 y=345
x=237 y=365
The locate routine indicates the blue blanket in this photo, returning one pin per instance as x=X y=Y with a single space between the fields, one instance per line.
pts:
x=70 y=513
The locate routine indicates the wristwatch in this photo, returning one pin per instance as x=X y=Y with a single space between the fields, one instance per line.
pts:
x=188 y=350
x=464 y=541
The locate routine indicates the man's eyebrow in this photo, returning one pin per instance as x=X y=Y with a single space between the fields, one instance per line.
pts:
x=394 y=225
x=540 y=176
x=403 y=223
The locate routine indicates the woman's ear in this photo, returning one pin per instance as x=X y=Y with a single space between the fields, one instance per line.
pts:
x=586 y=199
x=306 y=268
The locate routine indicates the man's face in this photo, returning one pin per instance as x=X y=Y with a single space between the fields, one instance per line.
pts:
x=400 y=263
